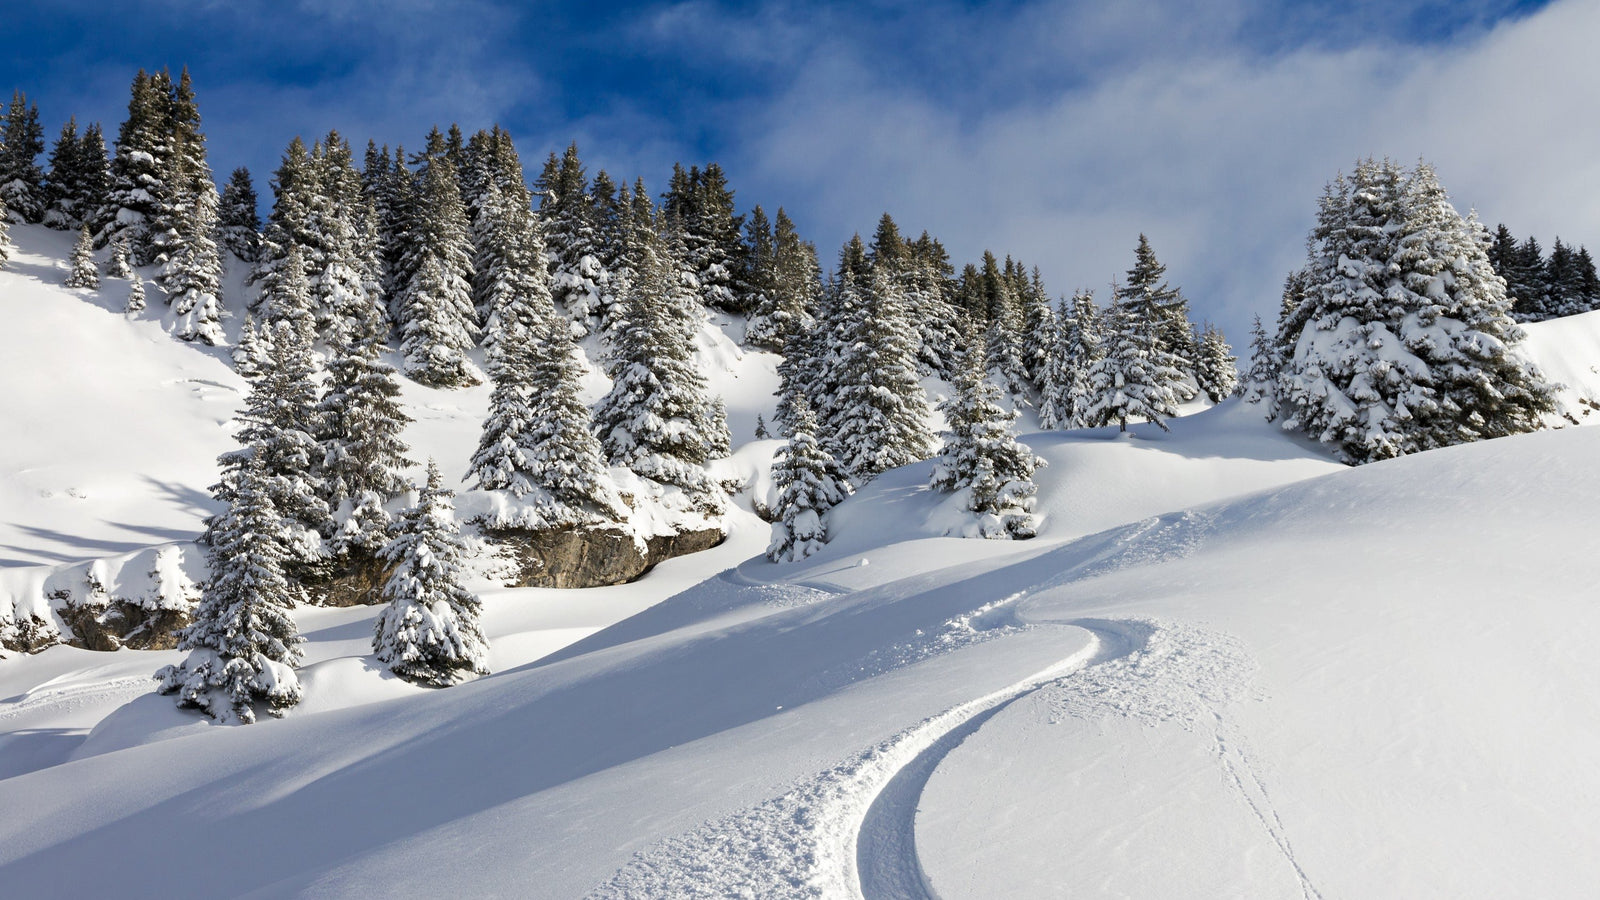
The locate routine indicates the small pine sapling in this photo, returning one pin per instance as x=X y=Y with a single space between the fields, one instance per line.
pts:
x=84 y=273
x=118 y=265
x=135 y=296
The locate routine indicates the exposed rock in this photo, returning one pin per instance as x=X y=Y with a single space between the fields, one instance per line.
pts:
x=592 y=557
x=28 y=635
x=358 y=581
x=123 y=623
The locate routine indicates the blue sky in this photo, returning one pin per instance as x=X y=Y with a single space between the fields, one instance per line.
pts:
x=1056 y=131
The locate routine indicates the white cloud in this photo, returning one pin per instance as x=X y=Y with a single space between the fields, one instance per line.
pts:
x=1218 y=155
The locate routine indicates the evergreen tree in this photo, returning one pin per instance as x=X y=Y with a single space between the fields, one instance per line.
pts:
x=1260 y=382
x=658 y=419
x=1165 y=307
x=186 y=176
x=136 y=301
x=571 y=237
x=21 y=179
x=537 y=438
x=1137 y=377
x=875 y=411
x=243 y=643
x=84 y=274
x=118 y=266
x=253 y=354
x=279 y=436
x=6 y=246
x=788 y=291
x=982 y=457
x=138 y=170
x=359 y=425
x=61 y=191
x=1065 y=397
x=810 y=483
x=1038 y=329
x=1003 y=333
x=5 y=235
x=1407 y=342
x=929 y=301
x=1215 y=369
x=238 y=223
x=191 y=275
x=429 y=632
x=438 y=321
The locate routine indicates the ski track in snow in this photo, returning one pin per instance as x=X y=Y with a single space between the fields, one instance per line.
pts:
x=70 y=696
x=850 y=831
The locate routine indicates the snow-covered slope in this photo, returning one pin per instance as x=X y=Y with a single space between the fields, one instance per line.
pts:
x=1227 y=667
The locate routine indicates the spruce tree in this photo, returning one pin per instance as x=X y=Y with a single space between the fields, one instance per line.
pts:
x=243 y=643
x=84 y=273
x=191 y=275
x=788 y=291
x=429 y=632
x=1259 y=384
x=21 y=180
x=359 y=425
x=1407 y=342
x=238 y=223
x=929 y=297
x=1147 y=291
x=537 y=442
x=118 y=265
x=1215 y=369
x=1038 y=328
x=810 y=483
x=657 y=418
x=136 y=301
x=1137 y=377
x=279 y=436
x=61 y=189
x=437 y=318
x=875 y=412
x=5 y=235
x=571 y=238
x=138 y=170
x=1003 y=333
x=253 y=354
x=1065 y=397
x=982 y=457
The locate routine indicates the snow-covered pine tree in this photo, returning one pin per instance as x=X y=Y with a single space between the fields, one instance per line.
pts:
x=290 y=229
x=658 y=419
x=537 y=442
x=715 y=250
x=982 y=457
x=1137 y=377
x=789 y=292
x=238 y=223
x=191 y=275
x=136 y=301
x=243 y=643
x=1147 y=291
x=1259 y=384
x=1215 y=368
x=342 y=286
x=429 y=632
x=61 y=189
x=1065 y=396
x=279 y=436
x=929 y=298
x=21 y=180
x=118 y=265
x=1408 y=339
x=84 y=273
x=876 y=413
x=359 y=425
x=186 y=175
x=138 y=170
x=1039 y=328
x=810 y=483
x=5 y=235
x=757 y=280
x=1003 y=333
x=438 y=321
x=253 y=354
x=571 y=239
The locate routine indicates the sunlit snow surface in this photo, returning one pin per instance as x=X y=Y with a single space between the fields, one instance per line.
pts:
x=1227 y=667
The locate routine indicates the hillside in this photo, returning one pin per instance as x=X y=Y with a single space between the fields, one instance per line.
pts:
x=1227 y=666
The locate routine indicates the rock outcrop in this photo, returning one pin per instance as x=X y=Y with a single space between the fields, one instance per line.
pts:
x=592 y=557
